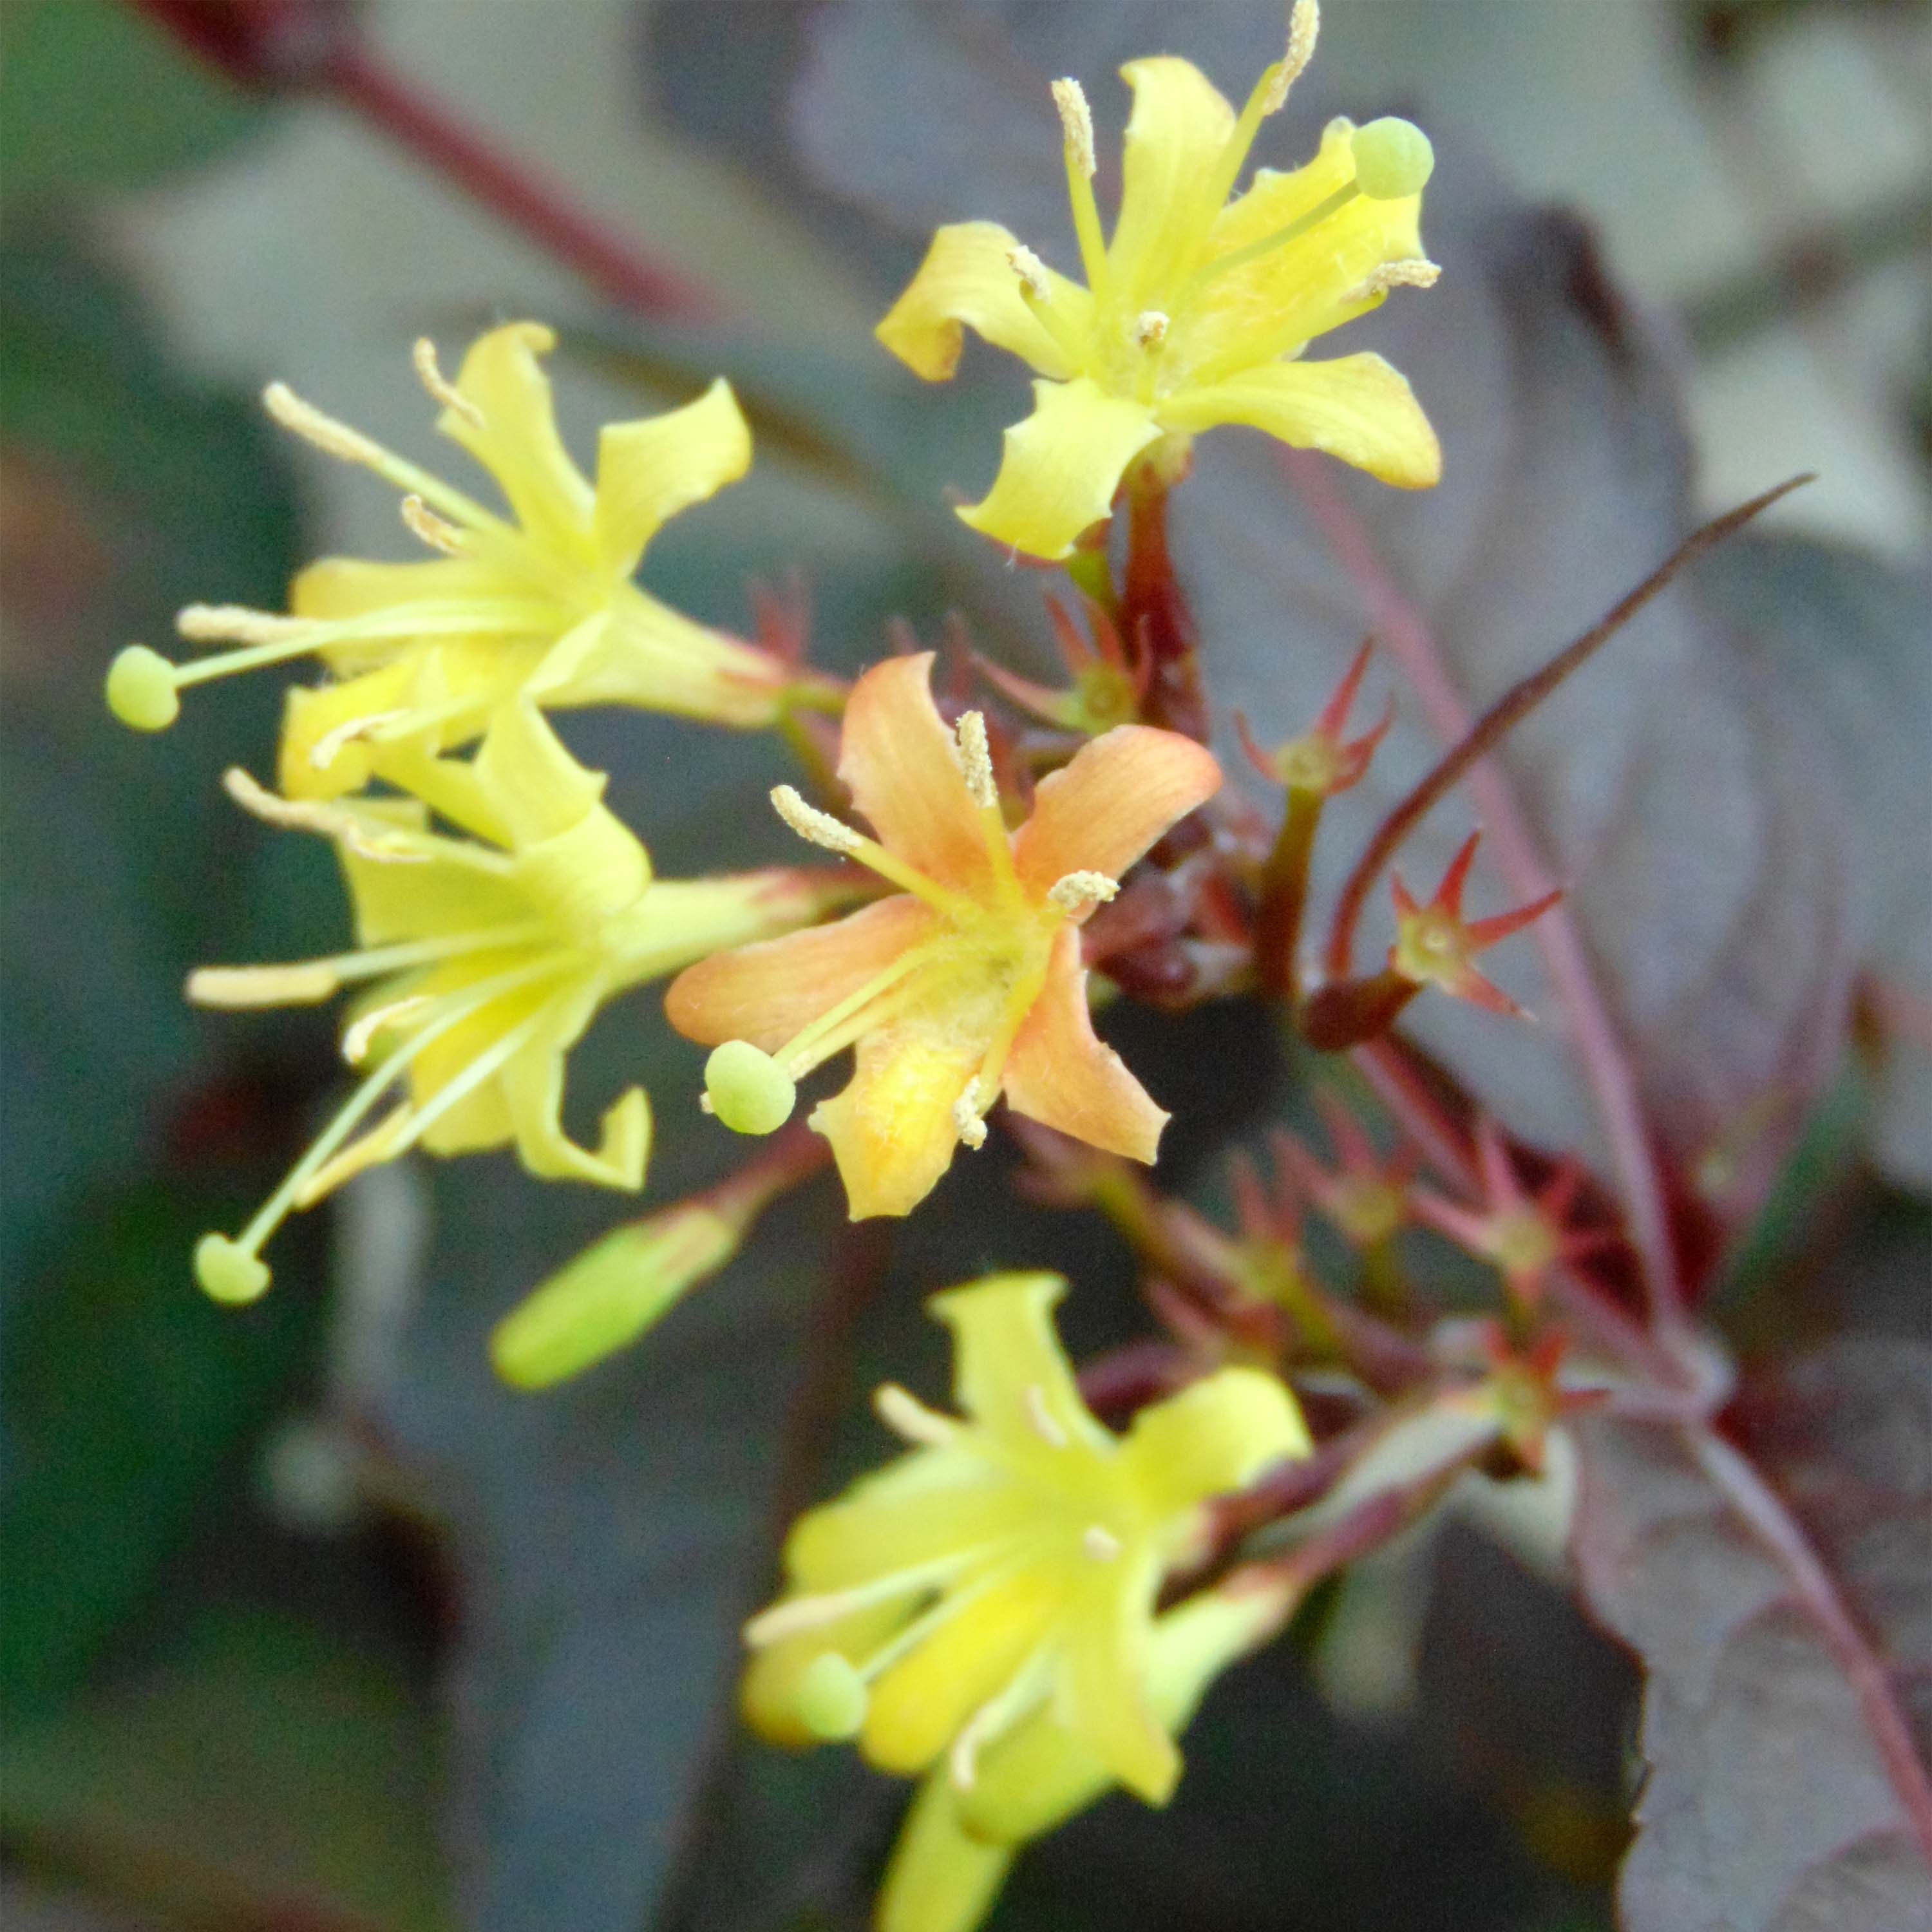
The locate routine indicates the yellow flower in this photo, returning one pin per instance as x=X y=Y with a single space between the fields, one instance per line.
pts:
x=956 y=1846
x=541 y=603
x=966 y=983
x=487 y=958
x=1009 y=1565
x=1197 y=311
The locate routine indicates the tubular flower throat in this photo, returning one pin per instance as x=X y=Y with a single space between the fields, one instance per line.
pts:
x=968 y=981
x=1196 y=314
x=485 y=958
x=539 y=604
x=1007 y=1567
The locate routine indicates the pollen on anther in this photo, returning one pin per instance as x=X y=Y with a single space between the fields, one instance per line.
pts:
x=1029 y=268
x=1076 y=122
x=1151 y=328
x=1304 y=25
x=1413 y=271
x=1079 y=891
x=976 y=760
x=429 y=372
x=331 y=437
x=815 y=827
x=967 y=1121
x=427 y=527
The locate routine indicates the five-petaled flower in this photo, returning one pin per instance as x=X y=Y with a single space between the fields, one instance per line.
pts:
x=968 y=981
x=1009 y=1564
x=486 y=958
x=1195 y=312
x=539 y=604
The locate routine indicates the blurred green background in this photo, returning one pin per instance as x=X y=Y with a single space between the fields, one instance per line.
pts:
x=305 y=1624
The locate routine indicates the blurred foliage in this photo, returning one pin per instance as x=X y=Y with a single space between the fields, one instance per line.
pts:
x=92 y=96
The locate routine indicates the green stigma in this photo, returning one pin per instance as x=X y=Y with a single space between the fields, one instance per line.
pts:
x=830 y=1699
x=1393 y=159
x=141 y=689
x=229 y=1272
x=749 y=1091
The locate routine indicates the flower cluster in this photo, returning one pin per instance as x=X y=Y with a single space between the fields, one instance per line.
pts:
x=1025 y=1608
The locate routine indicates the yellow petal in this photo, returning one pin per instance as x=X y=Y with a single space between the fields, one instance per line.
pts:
x=1122 y=790
x=1062 y=1075
x=968 y=277
x=538 y=790
x=1010 y=1373
x=338 y=587
x=517 y=440
x=533 y=1088
x=892 y=1130
x=1061 y=467
x=1358 y=409
x=902 y=767
x=1102 y=1698
x=919 y=1704
x=1170 y=166
x=769 y=992
x=916 y=1510
x=941 y=1878
x=648 y=470
x=1213 y=1437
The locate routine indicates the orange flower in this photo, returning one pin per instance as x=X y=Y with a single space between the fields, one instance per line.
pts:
x=968 y=981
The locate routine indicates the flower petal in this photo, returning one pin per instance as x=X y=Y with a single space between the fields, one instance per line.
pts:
x=768 y=992
x=533 y=1088
x=1170 y=166
x=1120 y=792
x=517 y=441
x=1358 y=408
x=1103 y=1668
x=1059 y=468
x=903 y=768
x=1009 y=1369
x=538 y=790
x=336 y=587
x=648 y=470
x=967 y=277
x=941 y=1878
x=919 y=1704
x=892 y=1130
x=1059 y=1074
x=1213 y=1437
x=913 y=1512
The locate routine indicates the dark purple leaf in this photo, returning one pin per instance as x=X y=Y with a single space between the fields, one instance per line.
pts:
x=1781 y=1620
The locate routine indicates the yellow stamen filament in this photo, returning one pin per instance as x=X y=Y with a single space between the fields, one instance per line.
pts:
x=993 y=1719
x=1041 y=1418
x=329 y=746
x=839 y=1026
x=331 y=821
x=360 y=1037
x=1076 y=123
x=429 y=373
x=909 y=1418
x=800 y=1614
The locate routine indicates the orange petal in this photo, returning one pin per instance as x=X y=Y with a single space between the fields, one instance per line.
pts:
x=770 y=992
x=900 y=761
x=1120 y=792
x=892 y=1130
x=1060 y=1074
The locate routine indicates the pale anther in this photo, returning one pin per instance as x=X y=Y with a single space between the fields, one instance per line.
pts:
x=429 y=373
x=303 y=815
x=910 y=1419
x=235 y=624
x=331 y=437
x=962 y=1761
x=1151 y=328
x=966 y=1122
x=976 y=760
x=1030 y=269
x=1304 y=24
x=1045 y=1426
x=1412 y=271
x=1078 y=891
x=357 y=1041
x=298 y=986
x=423 y=524
x=1076 y=122
x=1100 y=1544
x=329 y=746
x=815 y=827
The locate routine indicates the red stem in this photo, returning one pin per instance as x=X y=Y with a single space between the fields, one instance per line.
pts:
x=1400 y=626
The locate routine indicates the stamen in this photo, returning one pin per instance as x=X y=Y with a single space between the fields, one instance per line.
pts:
x=429 y=372
x=1099 y=1543
x=331 y=821
x=1076 y=124
x=1031 y=271
x=834 y=1029
x=332 y=438
x=423 y=524
x=237 y=623
x=815 y=827
x=1080 y=891
x=358 y=1039
x=906 y=1417
x=1044 y=1424
x=1151 y=329
x=976 y=760
x=799 y=1614
x=1304 y=24
x=966 y=1122
x=1412 y=271
x=297 y=985
x=329 y=746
